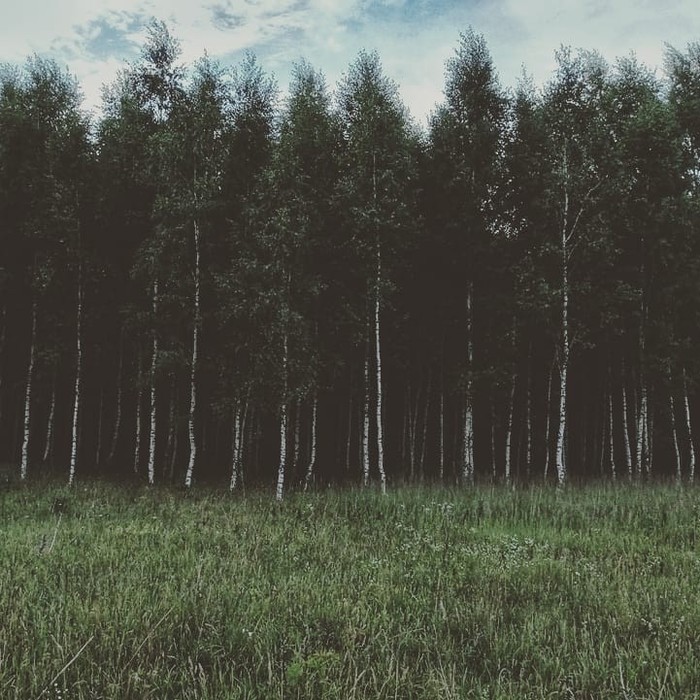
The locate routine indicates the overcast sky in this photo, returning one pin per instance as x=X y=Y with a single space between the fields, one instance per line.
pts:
x=413 y=37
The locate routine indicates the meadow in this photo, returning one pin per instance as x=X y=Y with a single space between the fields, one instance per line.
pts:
x=133 y=593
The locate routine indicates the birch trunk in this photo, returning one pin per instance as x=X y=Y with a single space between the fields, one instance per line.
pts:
x=613 y=466
x=28 y=398
x=236 y=447
x=378 y=360
x=172 y=433
x=48 y=446
x=365 y=419
x=528 y=417
x=297 y=434
x=689 y=429
x=283 y=423
x=561 y=462
x=468 y=446
x=548 y=423
x=154 y=365
x=642 y=434
x=195 y=355
x=78 y=380
x=625 y=430
x=118 y=416
x=312 y=458
x=139 y=401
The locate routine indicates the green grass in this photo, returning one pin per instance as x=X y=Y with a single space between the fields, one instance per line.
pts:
x=424 y=593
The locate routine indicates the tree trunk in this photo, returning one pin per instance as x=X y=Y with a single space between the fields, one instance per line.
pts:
x=312 y=458
x=348 y=442
x=689 y=430
x=365 y=417
x=548 y=423
x=283 y=421
x=674 y=435
x=611 y=440
x=172 y=432
x=625 y=429
x=561 y=460
x=48 y=447
x=28 y=397
x=139 y=402
x=424 y=440
x=468 y=446
x=195 y=356
x=118 y=416
x=98 y=447
x=237 y=446
x=3 y=328
x=509 y=431
x=154 y=365
x=297 y=434
x=78 y=380
x=441 y=465
x=378 y=361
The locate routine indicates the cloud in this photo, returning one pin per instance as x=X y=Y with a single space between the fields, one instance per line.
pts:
x=413 y=37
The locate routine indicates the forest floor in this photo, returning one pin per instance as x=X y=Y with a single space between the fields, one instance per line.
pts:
x=126 y=593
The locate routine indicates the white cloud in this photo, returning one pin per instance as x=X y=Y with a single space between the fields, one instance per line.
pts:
x=413 y=37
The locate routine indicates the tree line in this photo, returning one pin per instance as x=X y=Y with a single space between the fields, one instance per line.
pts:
x=211 y=283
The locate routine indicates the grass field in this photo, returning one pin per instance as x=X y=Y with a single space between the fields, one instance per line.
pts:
x=108 y=592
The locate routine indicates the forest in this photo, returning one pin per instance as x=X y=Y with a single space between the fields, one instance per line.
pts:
x=211 y=283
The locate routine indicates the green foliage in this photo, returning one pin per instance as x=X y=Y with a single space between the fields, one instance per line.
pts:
x=422 y=593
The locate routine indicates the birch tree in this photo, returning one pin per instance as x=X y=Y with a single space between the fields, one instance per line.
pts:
x=465 y=135
x=376 y=185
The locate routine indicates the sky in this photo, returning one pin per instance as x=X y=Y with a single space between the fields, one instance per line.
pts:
x=414 y=38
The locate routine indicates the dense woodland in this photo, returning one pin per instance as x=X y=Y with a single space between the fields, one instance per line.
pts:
x=214 y=283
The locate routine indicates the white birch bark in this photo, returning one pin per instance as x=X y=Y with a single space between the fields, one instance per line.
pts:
x=642 y=434
x=365 y=419
x=625 y=430
x=377 y=338
x=139 y=402
x=283 y=423
x=154 y=365
x=24 y=465
x=611 y=441
x=548 y=423
x=689 y=429
x=236 y=447
x=195 y=356
x=48 y=446
x=528 y=418
x=561 y=465
x=468 y=438
x=312 y=458
x=78 y=380
x=378 y=360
